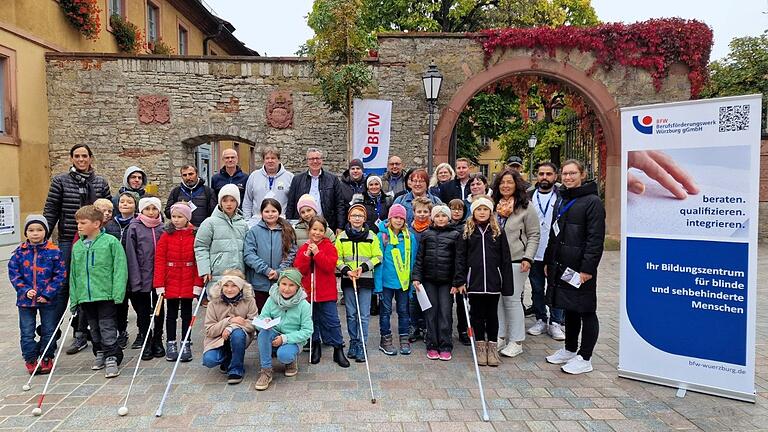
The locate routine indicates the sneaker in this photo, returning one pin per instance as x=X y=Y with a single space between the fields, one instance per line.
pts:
x=433 y=354
x=292 y=368
x=360 y=353
x=352 y=351
x=122 y=339
x=98 y=362
x=538 y=328
x=464 y=339
x=138 y=341
x=171 y=351
x=31 y=365
x=556 y=331
x=561 y=356
x=233 y=379
x=263 y=380
x=512 y=349
x=405 y=346
x=186 y=353
x=577 y=365
x=529 y=310
x=46 y=366
x=223 y=368
x=79 y=343
x=111 y=369
x=445 y=356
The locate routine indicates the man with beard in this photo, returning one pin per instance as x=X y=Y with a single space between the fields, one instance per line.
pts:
x=193 y=190
x=393 y=181
x=543 y=199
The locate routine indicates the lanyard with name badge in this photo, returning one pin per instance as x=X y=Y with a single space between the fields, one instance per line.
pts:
x=560 y=213
x=546 y=207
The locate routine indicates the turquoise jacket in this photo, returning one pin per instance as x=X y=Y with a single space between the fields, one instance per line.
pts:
x=295 y=315
x=99 y=271
x=219 y=243
x=385 y=275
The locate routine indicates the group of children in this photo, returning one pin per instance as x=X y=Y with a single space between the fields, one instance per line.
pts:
x=272 y=271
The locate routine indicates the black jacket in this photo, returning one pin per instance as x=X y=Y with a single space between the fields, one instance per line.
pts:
x=349 y=188
x=222 y=178
x=440 y=256
x=332 y=202
x=488 y=263
x=377 y=209
x=64 y=200
x=579 y=246
x=203 y=197
x=452 y=190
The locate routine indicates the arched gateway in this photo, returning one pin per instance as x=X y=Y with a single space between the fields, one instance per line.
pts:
x=142 y=109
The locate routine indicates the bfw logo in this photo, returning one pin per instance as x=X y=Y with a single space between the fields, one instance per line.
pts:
x=644 y=125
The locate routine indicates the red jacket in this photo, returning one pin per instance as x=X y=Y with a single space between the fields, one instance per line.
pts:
x=175 y=267
x=325 y=271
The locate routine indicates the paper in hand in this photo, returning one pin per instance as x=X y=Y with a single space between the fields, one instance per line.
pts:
x=572 y=277
x=424 y=302
x=266 y=324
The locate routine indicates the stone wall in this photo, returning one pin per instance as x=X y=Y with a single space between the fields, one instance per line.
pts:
x=94 y=98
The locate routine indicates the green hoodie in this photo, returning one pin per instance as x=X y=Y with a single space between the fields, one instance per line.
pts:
x=295 y=315
x=99 y=271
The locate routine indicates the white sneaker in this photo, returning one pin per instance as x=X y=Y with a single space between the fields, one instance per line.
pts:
x=556 y=331
x=501 y=344
x=561 y=356
x=512 y=349
x=538 y=328
x=577 y=366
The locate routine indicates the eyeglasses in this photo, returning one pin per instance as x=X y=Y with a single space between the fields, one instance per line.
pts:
x=314 y=159
x=418 y=181
x=571 y=174
x=396 y=163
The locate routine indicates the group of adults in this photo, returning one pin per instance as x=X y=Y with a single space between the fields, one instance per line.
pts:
x=528 y=215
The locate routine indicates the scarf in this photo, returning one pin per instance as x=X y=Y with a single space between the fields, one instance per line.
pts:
x=402 y=266
x=356 y=235
x=286 y=303
x=505 y=207
x=150 y=222
x=84 y=187
x=232 y=300
x=420 y=226
x=123 y=222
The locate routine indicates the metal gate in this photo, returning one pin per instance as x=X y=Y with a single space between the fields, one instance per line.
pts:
x=580 y=144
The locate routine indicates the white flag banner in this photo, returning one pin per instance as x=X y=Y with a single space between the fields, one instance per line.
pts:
x=370 y=136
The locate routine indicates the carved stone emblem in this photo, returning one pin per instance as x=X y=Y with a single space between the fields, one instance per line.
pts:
x=280 y=110
x=154 y=109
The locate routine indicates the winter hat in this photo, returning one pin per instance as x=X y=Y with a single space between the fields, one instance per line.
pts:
x=397 y=210
x=292 y=274
x=182 y=208
x=357 y=207
x=480 y=201
x=442 y=208
x=146 y=201
x=356 y=162
x=372 y=179
x=307 y=200
x=37 y=219
x=230 y=190
x=134 y=196
x=237 y=280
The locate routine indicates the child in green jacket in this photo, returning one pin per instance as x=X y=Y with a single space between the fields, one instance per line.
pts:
x=288 y=302
x=98 y=276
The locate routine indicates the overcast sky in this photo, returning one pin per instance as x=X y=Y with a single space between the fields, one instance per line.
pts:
x=277 y=28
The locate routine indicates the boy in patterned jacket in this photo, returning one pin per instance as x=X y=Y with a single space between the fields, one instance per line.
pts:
x=37 y=272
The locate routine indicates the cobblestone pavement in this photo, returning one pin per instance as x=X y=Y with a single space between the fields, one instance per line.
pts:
x=413 y=393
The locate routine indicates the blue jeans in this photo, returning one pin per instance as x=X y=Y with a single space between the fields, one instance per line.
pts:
x=231 y=354
x=385 y=311
x=31 y=349
x=353 y=327
x=286 y=353
x=325 y=318
x=537 y=278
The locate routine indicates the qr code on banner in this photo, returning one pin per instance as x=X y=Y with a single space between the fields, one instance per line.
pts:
x=734 y=118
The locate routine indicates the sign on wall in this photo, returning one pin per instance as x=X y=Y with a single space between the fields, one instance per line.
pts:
x=370 y=136
x=689 y=236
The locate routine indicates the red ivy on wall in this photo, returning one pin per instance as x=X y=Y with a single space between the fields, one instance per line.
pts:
x=84 y=15
x=652 y=45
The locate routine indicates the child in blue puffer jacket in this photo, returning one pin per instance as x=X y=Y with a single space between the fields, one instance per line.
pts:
x=37 y=272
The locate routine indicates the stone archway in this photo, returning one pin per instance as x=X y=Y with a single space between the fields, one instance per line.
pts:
x=594 y=92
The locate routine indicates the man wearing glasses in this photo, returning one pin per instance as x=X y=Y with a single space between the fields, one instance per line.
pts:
x=325 y=188
x=393 y=181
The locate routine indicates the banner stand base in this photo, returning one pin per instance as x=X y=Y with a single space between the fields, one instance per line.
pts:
x=683 y=387
x=680 y=393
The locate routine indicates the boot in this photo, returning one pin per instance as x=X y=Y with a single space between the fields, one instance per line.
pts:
x=493 y=354
x=263 y=380
x=338 y=357
x=405 y=346
x=157 y=345
x=147 y=353
x=482 y=353
x=317 y=352
x=386 y=346
x=122 y=339
x=360 y=353
x=139 y=340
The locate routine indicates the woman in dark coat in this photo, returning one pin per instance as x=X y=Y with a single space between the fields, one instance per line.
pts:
x=573 y=252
